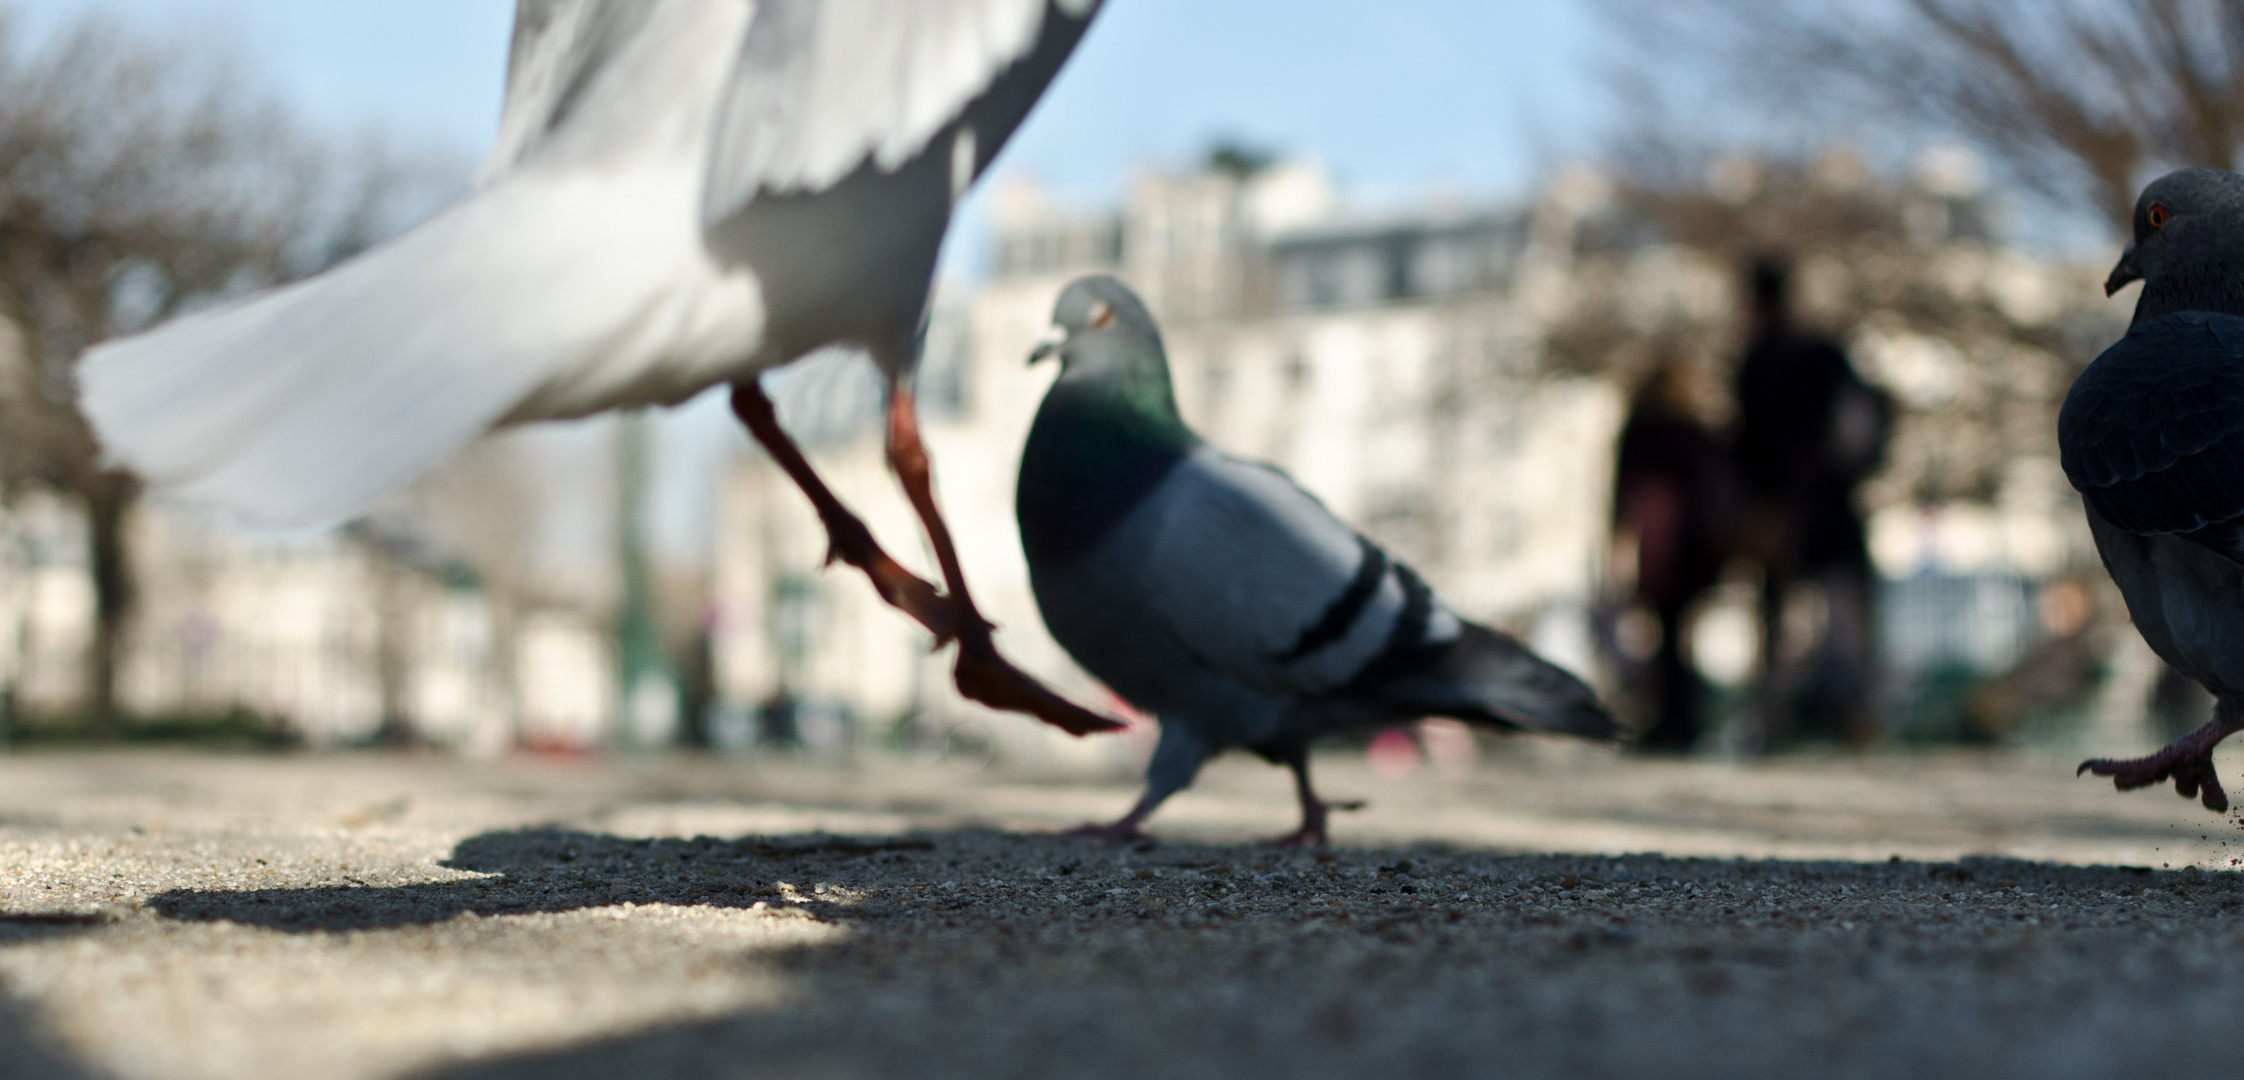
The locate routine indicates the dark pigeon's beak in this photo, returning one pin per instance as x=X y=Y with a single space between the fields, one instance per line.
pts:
x=1049 y=345
x=2127 y=270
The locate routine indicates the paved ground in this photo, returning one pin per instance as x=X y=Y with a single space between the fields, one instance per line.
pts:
x=368 y=916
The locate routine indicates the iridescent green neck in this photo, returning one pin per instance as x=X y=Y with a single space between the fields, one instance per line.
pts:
x=1107 y=434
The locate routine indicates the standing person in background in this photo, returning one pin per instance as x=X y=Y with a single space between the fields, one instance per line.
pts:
x=1673 y=499
x=1809 y=430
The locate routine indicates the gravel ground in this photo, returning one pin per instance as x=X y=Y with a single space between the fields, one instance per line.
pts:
x=370 y=916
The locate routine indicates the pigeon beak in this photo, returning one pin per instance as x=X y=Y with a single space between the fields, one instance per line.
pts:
x=1049 y=345
x=2127 y=270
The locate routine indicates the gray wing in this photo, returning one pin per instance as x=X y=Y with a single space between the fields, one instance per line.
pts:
x=823 y=86
x=1261 y=583
x=2152 y=433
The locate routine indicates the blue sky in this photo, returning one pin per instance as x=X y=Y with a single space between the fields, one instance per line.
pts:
x=1398 y=98
x=1394 y=95
x=421 y=69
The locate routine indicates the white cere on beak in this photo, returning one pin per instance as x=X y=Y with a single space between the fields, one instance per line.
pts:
x=1054 y=339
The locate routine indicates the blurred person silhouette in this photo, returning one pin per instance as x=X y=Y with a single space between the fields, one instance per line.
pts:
x=1674 y=497
x=1810 y=429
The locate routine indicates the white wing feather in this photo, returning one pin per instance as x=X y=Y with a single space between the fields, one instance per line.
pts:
x=554 y=296
x=556 y=44
x=595 y=83
x=822 y=86
x=556 y=290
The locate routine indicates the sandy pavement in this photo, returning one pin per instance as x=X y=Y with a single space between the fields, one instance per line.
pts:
x=1553 y=911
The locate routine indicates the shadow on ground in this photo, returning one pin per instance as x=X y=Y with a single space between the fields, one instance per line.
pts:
x=1226 y=963
x=982 y=954
x=26 y=1050
x=18 y=927
x=26 y=1053
x=547 y=870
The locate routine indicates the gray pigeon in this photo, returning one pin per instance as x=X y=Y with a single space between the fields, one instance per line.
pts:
x=1217 y=595
x=2152 y=434
x=683 y=193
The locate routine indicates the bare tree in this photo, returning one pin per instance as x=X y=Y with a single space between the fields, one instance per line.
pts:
x=473 y=516
x=138 y=180
x=1883 y=264
x=2075 y=100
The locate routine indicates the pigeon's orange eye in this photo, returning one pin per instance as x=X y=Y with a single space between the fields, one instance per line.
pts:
x=1102 y=315
x=2156 y=215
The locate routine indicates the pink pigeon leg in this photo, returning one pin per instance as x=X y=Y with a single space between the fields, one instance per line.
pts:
x=2188 y=761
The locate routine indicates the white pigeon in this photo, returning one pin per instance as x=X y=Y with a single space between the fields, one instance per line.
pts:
x=1217 y=595
x=683 y=193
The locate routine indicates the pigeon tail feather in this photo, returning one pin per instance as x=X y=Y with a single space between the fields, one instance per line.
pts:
x=1486 y=677
x=540 y=297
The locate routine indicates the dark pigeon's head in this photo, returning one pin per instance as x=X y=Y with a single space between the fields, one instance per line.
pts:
x=2182 y=217
x=1098 y=321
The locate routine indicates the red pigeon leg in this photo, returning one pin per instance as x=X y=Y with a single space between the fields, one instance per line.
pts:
x=848 y=540
x=1124 y=830
x=2188 y=761
x=981 y=673
x=1314 y=811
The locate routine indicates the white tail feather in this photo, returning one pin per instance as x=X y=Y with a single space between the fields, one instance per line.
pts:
x=540 y=296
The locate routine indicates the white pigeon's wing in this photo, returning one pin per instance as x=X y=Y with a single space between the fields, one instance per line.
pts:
x=545 y=297
x=576 y=280
x=1260 y=582
x=559 y=46
x=593 y=83
x=822 y=86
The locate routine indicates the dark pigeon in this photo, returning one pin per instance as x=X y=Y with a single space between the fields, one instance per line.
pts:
x=2152 y=435
x=1219 y=596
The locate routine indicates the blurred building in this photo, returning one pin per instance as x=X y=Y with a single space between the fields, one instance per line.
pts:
x=1450 y=380
x=1390 y=364
x=334 y=638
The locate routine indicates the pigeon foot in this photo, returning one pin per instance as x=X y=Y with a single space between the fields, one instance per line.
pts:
x=2187 y=761
x=1315 y=816
x=1120 y=832
x=1123 y=831
x=1315 y=812
x=983 y=674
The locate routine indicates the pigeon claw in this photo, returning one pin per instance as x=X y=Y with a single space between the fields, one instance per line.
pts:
x=1315 y=814
x=2189 y=778
x=983 y=675
x=2187 y=763
x=1120 y=832
x=1307 y=835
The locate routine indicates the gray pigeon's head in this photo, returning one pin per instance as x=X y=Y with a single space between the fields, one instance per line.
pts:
x=2182 y=218
x=1098 y=320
